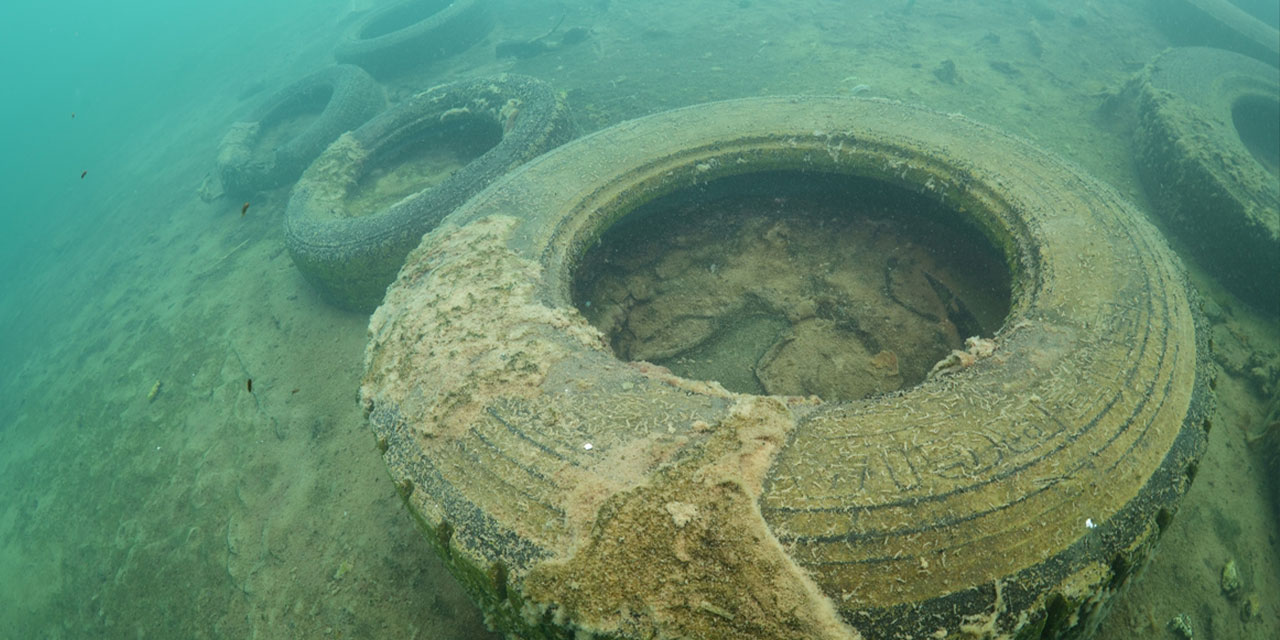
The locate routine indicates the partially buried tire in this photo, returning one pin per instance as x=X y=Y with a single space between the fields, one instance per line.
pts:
x=1245 y=26
x=1208 y=152
x=293 y=126
x=367 y=200
x=404 y=36
x=574 y=493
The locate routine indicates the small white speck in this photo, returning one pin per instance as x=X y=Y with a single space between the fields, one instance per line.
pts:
x=1089 y=524
x=587 y=446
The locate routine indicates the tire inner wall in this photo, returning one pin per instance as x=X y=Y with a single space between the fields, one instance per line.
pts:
x=1257 y=122
x=794 y=283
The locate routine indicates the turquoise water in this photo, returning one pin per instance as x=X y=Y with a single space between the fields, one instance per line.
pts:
x=147 y=492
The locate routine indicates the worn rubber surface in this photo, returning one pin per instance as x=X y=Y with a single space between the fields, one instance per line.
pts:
x=351 y=256
x=1198 y=107
x=1222 y=24
x=344 y=96
x=404 y=36
x=572 y=492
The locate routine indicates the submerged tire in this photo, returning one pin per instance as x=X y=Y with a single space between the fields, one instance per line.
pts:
x=1208 y=152
x=344 y=97
x=573 y=492
x=1244 y=26
x=351 y=256
x=401 y=37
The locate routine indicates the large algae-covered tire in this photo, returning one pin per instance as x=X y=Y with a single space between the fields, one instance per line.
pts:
x=1208 y=151
x=573 y=492
x=406 y=35
x=257 y=154
x=1244 y=26
x=351 y=256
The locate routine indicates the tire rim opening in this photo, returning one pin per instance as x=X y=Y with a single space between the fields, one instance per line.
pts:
x=1257 y=122
x=790 y=283
x=422 y=161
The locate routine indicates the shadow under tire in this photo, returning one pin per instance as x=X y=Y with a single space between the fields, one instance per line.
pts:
x=352 y=256
x=344 y=96
x=1207 y=143
x=573 y=492
x=401 y=37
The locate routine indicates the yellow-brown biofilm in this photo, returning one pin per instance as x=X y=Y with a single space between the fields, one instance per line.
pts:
x=676 y=541
x=657 y=560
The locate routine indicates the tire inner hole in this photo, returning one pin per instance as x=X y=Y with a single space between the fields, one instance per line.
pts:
x=422 y=161
x=791 y=283
x=1257 y=122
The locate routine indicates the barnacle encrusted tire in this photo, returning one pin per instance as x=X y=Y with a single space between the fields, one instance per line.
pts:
x=573 y=492
x=343 y=96
x=407 y=35
x=1208 y=152
x=351 y=256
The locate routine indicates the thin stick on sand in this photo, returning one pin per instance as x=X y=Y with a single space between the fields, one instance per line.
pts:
x=219 y=261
